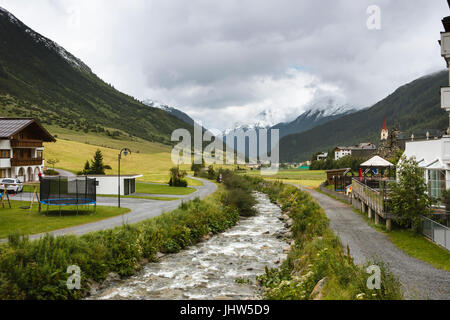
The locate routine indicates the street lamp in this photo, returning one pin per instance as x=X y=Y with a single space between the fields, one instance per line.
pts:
x=125 y=152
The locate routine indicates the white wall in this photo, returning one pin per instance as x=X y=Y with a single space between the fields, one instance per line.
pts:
x=5 y=144
x=109 y=184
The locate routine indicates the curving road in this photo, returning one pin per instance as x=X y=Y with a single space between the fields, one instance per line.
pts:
x=141 y=209
x=420 y=279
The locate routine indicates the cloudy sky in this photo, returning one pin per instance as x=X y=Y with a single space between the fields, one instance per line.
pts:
x=230 y=61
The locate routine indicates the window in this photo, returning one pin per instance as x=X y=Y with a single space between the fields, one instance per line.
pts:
x=5 y=154
x=436 y=183
x=39 y=154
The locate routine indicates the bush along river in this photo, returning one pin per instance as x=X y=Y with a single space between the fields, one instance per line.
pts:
x=223 y=267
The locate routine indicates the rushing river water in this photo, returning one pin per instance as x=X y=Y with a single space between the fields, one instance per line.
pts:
x=209 y=269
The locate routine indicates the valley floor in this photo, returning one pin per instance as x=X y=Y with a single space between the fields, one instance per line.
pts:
x=141 y=209
x=420 y=279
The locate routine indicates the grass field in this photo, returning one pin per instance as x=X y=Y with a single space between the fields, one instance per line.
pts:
x=140 y=197
x=307 y=178
x=22 y=221
x=162 y=189
x=154 y=166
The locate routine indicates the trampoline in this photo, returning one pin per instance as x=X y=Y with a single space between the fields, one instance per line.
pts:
x=68 y=191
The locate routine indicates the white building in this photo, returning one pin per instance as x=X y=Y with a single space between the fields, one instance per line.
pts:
x=322 y=156
x=109 y=184
x=21 y=148
x=434 y=155
x=340 y=152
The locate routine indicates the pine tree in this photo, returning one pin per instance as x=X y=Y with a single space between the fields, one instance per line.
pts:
x=97 y=166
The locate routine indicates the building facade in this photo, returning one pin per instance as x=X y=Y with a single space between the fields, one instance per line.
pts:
x=361 y=150
x=433 y=155
x=22 y=149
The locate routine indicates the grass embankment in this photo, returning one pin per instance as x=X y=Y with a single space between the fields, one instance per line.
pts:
x=26 y=222
x=38 y=269
x=154 y=166
x=316 y=255
x=415 y=245
x=307 y=178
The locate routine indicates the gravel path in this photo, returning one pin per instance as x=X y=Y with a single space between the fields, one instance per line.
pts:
x=141 y=209
x=420 y=279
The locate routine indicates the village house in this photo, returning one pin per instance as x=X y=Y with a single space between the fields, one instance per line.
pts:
x=322 y=156
x=361 y=150
x=21 y=148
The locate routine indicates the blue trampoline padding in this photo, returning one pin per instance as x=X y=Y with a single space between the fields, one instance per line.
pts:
x=67 y=202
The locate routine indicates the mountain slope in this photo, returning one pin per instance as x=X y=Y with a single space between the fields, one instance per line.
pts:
x=38 y=78
x=310 y=119
x=411 y=108
x=173 y=111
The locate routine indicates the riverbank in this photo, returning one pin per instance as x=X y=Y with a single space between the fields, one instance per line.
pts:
x=38 y=269
x=317 y=266
x=222 y=267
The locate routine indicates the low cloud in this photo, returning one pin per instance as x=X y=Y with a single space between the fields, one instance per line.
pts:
x=229 y=61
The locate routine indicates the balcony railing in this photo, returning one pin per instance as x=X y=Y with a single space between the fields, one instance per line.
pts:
x=26 y=162
x=26 y=143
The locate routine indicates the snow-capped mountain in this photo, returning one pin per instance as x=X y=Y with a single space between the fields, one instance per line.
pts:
x=315 y=115
x=173 y=111
x=312 y=118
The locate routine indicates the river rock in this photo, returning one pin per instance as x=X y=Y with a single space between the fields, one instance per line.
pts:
x=206 y=237
x=93 y=287
x=316 y=294
x=110 y=279
x=288 y=235
x=159 y=255
x=286 y=249
x=289 y=223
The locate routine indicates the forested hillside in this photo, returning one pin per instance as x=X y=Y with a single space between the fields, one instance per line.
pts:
x=411 y=108
x=40 y=79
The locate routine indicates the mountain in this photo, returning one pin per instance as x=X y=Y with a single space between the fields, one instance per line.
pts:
x=411 y=108
x=173 y=111
x=39 y=78
x=312 y=118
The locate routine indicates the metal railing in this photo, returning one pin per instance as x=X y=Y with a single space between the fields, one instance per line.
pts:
x=436 y=232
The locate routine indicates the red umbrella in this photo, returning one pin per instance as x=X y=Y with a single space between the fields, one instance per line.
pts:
x=360 y=174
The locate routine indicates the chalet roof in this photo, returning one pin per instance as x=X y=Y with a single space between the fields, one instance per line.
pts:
x=377 y=161
x=10 y=126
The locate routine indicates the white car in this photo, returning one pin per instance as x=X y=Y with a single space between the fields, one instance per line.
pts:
x=12 y=185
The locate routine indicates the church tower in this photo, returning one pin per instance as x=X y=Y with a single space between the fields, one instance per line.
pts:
x=384 y=131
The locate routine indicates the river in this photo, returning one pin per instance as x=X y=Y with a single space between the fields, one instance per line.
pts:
x=209 y=270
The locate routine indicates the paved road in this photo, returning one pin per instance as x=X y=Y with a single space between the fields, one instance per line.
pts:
x=141 y=209
x=65 y=173
x=420 y=279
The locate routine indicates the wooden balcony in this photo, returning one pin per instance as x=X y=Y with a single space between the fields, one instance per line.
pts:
x=26 y=143
x=26 y=162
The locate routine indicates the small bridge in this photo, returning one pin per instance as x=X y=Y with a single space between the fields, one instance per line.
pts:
x=374 y=201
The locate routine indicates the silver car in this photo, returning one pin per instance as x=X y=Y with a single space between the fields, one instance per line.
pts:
x=12 y=185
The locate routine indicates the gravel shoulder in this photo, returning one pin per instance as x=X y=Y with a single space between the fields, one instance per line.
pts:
x=420 y=279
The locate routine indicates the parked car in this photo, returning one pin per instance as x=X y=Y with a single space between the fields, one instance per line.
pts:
x=12 y=185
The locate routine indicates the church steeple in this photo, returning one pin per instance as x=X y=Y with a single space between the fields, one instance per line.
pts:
x=384 y=131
